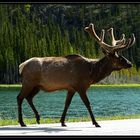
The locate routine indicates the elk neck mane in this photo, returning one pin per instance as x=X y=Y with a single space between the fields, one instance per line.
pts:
x=100 y=69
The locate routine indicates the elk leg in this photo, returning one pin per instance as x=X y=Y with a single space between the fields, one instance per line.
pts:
x=25 y=91
x=87 y=104
x=30 y=101
x=20 y=119
x=67 y=103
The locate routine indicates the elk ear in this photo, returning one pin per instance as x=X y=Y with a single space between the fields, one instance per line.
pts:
x=108 y=54
x=105 y=52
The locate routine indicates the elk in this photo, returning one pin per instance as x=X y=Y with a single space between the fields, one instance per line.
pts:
x=73 y=73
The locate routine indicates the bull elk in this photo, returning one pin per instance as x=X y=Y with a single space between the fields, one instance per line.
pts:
x=73 y=73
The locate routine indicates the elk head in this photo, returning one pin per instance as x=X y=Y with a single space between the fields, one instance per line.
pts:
x=111 y=51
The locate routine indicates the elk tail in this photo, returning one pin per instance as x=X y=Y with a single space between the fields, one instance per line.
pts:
x=21 y=66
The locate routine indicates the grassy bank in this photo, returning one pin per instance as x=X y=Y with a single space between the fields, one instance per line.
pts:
x=54 y=120
x=10 y=85
x=17 y=86
x=117 y=85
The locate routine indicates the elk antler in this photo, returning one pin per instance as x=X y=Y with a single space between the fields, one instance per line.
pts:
x=130 y=43
x=116 y=44
x=120 y=42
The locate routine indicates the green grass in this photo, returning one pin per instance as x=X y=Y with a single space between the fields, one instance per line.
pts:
x=57 y=120
x=116 y=85
x=10 y=86
x=18 y=86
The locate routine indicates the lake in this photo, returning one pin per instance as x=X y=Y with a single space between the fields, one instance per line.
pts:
x=104 y=102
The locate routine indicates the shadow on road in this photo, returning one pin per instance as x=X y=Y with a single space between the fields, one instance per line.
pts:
x=23 y=130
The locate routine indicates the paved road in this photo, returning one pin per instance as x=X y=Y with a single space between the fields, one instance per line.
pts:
x=129 y=127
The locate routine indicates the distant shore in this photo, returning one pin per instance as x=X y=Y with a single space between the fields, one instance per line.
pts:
x=96 y=85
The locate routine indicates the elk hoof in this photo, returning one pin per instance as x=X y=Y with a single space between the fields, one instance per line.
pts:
x=23 y=125
x=63 y=125
x=97 y=125
x=38 y=121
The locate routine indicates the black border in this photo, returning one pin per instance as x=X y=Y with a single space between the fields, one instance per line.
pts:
x=69 y=2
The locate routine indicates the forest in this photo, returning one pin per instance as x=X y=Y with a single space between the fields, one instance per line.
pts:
x=29 y=30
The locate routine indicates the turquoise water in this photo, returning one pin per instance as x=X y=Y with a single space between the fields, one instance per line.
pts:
x=104 y=102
